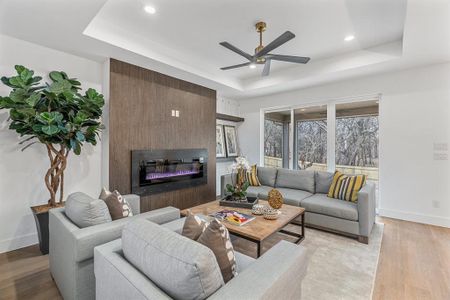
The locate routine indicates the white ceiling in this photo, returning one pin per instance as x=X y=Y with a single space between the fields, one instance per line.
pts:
x=182 y=38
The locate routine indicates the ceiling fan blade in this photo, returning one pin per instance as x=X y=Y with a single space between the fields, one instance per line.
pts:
x=236 y=66
x=236 y=50
x=266 y=69
x=287 y=36
x=289 y=58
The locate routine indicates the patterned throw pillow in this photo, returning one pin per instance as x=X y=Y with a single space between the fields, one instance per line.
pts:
x=346 y=187
x=217 y=238
x=117 y=205
x=193 y=226
x=252 y=176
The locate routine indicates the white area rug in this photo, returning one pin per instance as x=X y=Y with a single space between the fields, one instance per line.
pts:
x=340 y=267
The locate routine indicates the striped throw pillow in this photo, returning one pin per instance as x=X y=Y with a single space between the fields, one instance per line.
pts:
x=252 y=176
x=346 y=187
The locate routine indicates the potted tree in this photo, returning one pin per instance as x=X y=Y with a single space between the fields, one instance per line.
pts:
x=58 y=116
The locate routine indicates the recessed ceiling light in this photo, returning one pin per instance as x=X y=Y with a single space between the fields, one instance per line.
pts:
x=303 y=109
x=252 y=66
x=349 y=38
x=149 y=9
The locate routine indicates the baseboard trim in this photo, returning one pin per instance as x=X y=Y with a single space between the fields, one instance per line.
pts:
x=414 y=217
x=18 y=242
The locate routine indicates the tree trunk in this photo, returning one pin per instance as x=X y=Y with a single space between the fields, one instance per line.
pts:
x=54 y=178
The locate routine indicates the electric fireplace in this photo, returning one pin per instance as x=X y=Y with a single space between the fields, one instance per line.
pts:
x=157 y=171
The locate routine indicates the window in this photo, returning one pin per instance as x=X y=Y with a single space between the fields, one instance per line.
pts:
x=357 y=138
x=273 y=143
x=311 y=138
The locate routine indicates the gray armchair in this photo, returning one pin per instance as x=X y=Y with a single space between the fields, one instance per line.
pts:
x=72 y=248
x=277 y=274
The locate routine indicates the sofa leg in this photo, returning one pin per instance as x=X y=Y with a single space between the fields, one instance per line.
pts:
x=363 y=239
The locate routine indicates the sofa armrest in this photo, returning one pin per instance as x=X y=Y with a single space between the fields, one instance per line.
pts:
x=88 y=238
x=135 y=203
x=116 y=278
x=224 y=180
x=366 y=209
x=275 y=275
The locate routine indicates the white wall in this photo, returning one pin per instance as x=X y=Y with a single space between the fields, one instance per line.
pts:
x=22 y=173
x=228 y=107
x=414 y=115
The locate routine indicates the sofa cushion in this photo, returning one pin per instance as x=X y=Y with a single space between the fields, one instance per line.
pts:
x=322 y=204
x=252 y=176
x=117 y=205
x=323 y=181
x=267 y=176
x=217 y=238
x=193 y=226
x=346 y=187
x=293 y=196
x=296 y=179
x=85 y=211
x=261 y=191
x=181 y=267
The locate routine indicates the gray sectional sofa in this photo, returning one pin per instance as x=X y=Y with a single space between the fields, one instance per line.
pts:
x=309 y=189
x=153 y=261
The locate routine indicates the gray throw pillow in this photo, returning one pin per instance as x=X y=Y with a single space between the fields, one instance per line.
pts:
x=181 y=267
x=323 y=181
x=296 y=179
x=85 y=211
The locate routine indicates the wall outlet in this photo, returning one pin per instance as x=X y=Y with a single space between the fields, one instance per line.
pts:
x=440 y=156
x=440 y=146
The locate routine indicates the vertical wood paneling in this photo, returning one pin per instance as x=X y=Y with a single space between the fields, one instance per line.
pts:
x=141 y=101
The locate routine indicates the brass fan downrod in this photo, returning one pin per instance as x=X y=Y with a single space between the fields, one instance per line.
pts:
x=260 y=28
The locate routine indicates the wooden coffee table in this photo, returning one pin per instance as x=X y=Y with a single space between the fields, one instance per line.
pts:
x=259 y=229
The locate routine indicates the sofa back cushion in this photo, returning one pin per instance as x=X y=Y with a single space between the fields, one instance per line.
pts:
x=296 y=179
x=267 y=176
x=323 y=181
x=85 y=211
x=181 y=267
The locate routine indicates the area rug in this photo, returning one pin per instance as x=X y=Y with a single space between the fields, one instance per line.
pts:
x=338 y=268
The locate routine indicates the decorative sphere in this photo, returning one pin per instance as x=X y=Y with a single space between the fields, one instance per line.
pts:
x=275 y=199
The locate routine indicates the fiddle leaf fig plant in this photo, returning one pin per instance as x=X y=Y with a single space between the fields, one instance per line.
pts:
x=56 y=114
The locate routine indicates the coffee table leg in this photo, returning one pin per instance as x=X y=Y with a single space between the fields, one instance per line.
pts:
x=258 y=249
x=303 y=225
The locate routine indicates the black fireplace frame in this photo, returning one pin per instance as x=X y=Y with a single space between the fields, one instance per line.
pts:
x=185 y=155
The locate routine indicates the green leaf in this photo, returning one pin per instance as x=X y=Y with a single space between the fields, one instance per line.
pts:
x=80 y=136
x=19 y=68
x=56 y=76
x=26 y=75
x=245 y=186
x=50 y=129
x=33 y=99
x=60 y=87
x=230 y=188
x=18 y=95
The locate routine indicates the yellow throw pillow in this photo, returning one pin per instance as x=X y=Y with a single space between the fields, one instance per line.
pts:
x=252 y=176
x=346 y=187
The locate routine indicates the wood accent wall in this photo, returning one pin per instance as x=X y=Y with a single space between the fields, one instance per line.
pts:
x=140 y=118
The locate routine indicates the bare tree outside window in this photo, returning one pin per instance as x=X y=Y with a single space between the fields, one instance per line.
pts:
x=273 y=138
x=357 y=141
x=311 y=143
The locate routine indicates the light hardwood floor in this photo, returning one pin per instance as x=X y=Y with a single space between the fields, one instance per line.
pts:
x=414 y=264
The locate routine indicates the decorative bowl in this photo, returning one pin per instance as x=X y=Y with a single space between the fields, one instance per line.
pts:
x=271 y=214
x=258 y=209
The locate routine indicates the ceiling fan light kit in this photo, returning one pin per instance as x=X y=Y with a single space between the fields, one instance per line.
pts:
x=262 y=55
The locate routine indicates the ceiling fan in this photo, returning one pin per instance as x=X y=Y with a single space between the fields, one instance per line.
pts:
x=262 y=55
